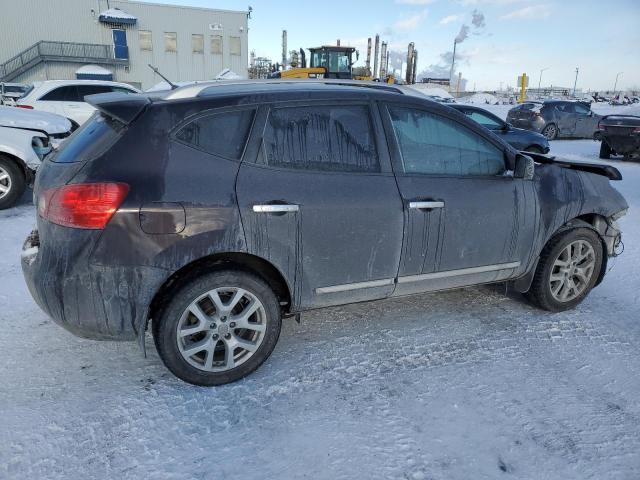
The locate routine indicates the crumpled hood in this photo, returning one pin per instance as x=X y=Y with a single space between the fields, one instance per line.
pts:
x=23 y=118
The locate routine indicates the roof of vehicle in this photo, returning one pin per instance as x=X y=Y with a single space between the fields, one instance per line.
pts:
x=20 y=118
x=48 y=85
x=219 y=88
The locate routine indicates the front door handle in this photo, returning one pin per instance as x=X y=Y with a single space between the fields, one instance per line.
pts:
x=426 y=205
x=273 y=208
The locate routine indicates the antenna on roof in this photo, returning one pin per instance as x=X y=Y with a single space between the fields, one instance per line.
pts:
x=155 y=70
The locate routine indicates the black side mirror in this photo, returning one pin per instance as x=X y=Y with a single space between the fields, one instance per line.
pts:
x=525 y=167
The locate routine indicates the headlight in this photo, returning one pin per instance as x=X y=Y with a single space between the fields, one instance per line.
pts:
x=619 y=214
x=41 y=146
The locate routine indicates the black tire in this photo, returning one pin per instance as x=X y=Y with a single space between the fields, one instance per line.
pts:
x=605 y=150
x=550 y=131
x=165 y=326
x=533 y=149
x=15 y=181
x=540 y=292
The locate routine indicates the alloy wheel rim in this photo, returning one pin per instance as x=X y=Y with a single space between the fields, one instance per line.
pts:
x=550 y=131
x=5 y=182
x=221 y=329
x=572 y=271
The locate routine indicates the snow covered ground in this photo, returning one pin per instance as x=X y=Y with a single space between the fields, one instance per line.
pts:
x=468 y=384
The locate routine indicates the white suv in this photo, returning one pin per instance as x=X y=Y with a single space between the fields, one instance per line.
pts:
x=66 y=97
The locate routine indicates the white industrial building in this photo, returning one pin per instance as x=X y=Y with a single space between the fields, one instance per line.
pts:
x=68 y=39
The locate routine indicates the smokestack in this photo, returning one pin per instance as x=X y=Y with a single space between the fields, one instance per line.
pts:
x=453 y=62
x=338 y=42
x=368 y=64
x=407 y=75
x=284 y=49
x=383 y=61
x=415 y=63
x=376 y=51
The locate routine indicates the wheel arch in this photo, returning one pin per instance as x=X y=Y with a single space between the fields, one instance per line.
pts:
x=592 y=221
x=246 y=262
x=18 y=161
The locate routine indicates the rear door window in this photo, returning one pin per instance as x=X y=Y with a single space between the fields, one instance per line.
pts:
x=89 y=141
x=84 y=90
x=322 y=138
x=223 y=134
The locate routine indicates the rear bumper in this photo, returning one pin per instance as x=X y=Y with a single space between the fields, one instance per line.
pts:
x=91 y=301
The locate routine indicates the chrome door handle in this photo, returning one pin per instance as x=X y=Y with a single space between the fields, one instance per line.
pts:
x=426 y=205
x=275 y=208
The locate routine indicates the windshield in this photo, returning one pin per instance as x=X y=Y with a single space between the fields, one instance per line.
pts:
x=332 y=61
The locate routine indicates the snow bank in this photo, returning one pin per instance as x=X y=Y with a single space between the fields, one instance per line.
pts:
x=431 y=91
x=484 y=98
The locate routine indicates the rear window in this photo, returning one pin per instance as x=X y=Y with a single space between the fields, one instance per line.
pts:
x=90 y=141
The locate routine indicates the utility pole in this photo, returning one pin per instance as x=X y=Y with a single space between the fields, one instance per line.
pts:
x=575 y=82
x=540 y=78
x=616 y=84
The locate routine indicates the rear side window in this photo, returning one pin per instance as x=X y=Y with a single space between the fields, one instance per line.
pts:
x=68 y=93
x=89 y=141
x=434 y=145
x=222 y=134
x=84 y=90
x=323 y=138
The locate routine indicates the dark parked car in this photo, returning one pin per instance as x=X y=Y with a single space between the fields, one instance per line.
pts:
x=619 y=135
x=555 y=118
x=214 y=211
x=516 y=137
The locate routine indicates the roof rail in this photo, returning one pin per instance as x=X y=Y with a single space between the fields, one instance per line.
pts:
x=196 y=90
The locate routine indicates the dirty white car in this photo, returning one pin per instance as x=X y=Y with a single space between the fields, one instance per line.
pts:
x=26 y=136
x=66 y=97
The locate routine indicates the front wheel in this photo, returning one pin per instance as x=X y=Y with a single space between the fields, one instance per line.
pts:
x=568 y=269
x=550 y=131
x=12 y=182
x=218 y=328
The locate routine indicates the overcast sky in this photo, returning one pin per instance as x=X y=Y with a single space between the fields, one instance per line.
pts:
x=500 y=38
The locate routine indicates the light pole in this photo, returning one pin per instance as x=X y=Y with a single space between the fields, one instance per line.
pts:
x=615 y=85
x=540 y=78
x=575 y=82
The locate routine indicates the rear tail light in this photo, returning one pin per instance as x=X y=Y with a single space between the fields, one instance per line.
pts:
x=28 y=107
x=82 y=205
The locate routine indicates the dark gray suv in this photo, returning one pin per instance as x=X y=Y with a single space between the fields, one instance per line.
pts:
x=213 y=211
x=556 y=118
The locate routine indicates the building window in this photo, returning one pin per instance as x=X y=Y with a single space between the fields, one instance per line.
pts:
x=170 y=42
x=234 y=46
x=216 y=44
x=145 y=40
x=197 y=43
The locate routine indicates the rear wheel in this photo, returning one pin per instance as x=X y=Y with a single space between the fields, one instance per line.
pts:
x=218 y=328
x=605 y=150
x=568 y=269
x=12 y=182
x=550 y=131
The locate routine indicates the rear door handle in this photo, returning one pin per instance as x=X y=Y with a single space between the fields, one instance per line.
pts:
x=270 y=208
x=426 y=205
